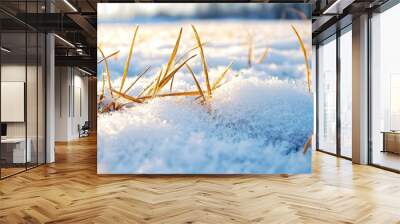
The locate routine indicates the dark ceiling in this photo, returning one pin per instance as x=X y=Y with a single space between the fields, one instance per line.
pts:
x=76 y=20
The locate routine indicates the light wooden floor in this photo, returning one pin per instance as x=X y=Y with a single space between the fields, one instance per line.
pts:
x=69 y=191
x=10 y=171
x=387 y=159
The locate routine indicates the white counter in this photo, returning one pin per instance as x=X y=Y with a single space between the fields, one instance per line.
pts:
x=19 y=155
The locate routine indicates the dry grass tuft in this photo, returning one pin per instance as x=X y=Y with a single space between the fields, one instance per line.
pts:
x=109 y=56
x=173 y=72
x=172 y=83
x=197 y=83
x=250 y=50
x=108 y=73
x=263 y=56
x=101 y=96
x=168 y=71
x=308 y=72
x=190 y=50
x=173 y=54
x=308 y=144
x=187 y=93
x=128 y=60
x=203 y=60
x=221 y=77
x=157 y=84
x=127 y=97
x=137 y=79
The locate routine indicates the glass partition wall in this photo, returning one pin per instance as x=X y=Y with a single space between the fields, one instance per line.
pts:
x=327 y=96
x=385 y=89
x=334 y=105
x=22 y=77
x=345 y=91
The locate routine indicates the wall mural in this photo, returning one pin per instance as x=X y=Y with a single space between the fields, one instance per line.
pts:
x=204 y=88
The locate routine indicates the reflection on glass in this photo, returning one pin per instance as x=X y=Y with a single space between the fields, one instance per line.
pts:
x=13 y=84
x=346 y=94
x=22 y=91
x=386 y=89
x=395 y=102
x=327 y=97
x=41 y=99
x=31 y=101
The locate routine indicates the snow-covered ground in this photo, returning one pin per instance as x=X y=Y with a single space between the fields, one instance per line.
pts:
x=257 y=122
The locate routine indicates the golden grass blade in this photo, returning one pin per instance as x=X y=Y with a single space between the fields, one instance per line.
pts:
x=308 y=72
x=173 y=72
x=221 y=77
x=155 y=83
x=250 y=50
x=102 y=82
x=263 y=56
x=127 y=97
x=190 y=50
x=128 y=60
x=188 y=93
x=145 y=89
x=166 y=78
x=180 y=59
x=195 y=80
x=156 y=87
x=172 y=58
x=236 y=75
x=109 y=56
x=149 y=88
x=203 y=61
x=137 y=79
x=308 y=144
x=108 y=73
x=174 y=52
x=172 y=82
x=109 y=107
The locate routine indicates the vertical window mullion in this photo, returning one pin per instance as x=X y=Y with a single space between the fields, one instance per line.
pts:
x=338 y=80
x=317 y=97
x=369 y=100
x=26 y=86
x=0 y=91
x=37 y=89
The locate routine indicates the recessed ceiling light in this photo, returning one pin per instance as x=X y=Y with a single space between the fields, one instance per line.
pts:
x=84 y=71
x=70 y=5
x=5 y=50
x=64 y=40
x=337 y=7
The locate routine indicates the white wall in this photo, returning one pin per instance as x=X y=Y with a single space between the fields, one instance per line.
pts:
x=79 y=110
x=71 y=87
x=62 y=81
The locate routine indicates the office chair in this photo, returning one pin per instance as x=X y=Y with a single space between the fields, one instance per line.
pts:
x=84 y=130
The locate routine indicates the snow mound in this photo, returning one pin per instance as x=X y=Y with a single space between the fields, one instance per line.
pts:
x=250 y=126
